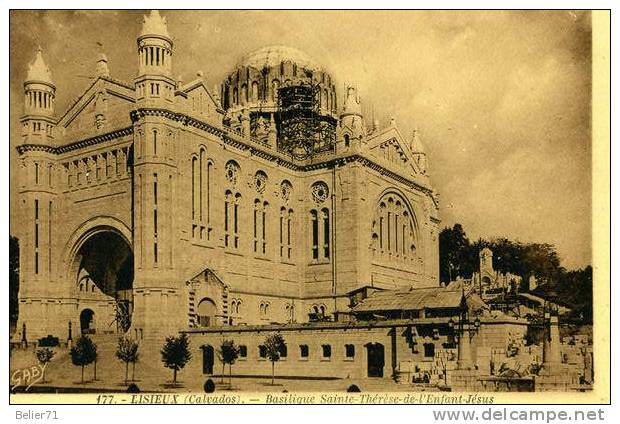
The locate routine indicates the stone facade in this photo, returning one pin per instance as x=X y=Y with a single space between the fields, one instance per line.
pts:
x=158 y=206
x=409 y=349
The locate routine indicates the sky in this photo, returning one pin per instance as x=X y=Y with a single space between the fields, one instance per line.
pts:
x=501 y=99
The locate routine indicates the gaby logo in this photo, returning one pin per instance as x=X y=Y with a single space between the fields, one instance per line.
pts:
x=27 y=376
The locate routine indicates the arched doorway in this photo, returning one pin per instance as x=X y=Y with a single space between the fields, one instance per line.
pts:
x=207 y=359
x=206 y=312
x=104 y=260
x=376 y=359
x=87 y=321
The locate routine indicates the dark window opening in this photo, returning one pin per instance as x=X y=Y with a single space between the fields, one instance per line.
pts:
x=315 y=235
x=327 y=351
x=349 y=350
x=429 y=350
x=304 y=351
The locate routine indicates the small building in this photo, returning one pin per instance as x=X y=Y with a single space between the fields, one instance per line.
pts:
x=407 y=335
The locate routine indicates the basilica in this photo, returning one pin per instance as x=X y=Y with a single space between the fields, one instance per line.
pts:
x=155 y=206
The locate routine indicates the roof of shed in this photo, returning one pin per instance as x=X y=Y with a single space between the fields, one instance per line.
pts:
x=414 y=299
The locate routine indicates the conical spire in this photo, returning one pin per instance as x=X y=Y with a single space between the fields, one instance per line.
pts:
x=352 y=104
x=154 y=24
x=102 y=66
x=416 y=142
x=38 y=70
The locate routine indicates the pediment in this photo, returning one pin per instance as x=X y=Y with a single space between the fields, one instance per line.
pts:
x=389 y=146
x=199 y=98
x=103 y=102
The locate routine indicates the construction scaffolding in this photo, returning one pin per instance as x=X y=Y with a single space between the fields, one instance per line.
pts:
x=303 y=130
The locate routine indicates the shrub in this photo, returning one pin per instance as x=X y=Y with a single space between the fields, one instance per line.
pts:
x=353 y=389
x=209 y=386
x=48 y=341
x=133 y=388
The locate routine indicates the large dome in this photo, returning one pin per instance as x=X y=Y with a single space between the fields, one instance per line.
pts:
x=272 y=56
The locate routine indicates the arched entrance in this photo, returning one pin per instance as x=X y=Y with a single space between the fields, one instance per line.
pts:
x=206 y=312
x=87 y=321
x=207 y=359
x=104 y=259
x=376 y=359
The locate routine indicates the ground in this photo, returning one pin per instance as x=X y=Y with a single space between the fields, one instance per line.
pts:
x=152 y=376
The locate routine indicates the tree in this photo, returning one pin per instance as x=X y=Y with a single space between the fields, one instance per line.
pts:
x=44 y=356
x=175 y=354
x=274 y=343
x=13 y=278
x=127 y=351
x=455 y=254
x=83 y=353
x=229 y=353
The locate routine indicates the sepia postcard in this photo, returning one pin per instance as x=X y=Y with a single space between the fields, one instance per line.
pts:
x=309 y=207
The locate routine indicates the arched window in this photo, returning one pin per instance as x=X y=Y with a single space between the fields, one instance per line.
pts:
x=154 y=142
x=304 y=351
x=244 y=93
x=236 y=219
x=235 y=95
x=349 y=351
x=290 y=312
x=254 y=91
x=394 y=227
x=289 y=228
x=264 y=226
x=206 y=312
x=194 y=193
x=201 y=189
x=315 y=234
x=256 y=229
x=326 y=233
x=275 y=85
x=208 y=191
x=228 y=199
x=347 y=140
x=326 y=97
x=282 y=233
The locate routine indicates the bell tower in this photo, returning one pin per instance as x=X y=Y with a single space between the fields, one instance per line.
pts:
x=156 y=289
x=352 y=128
x=39 y=97
x=37 y=176
x=154 y=83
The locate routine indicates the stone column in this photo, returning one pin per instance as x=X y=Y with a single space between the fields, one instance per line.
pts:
x=552 y=355
x=272 y=137
x=464 y=350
